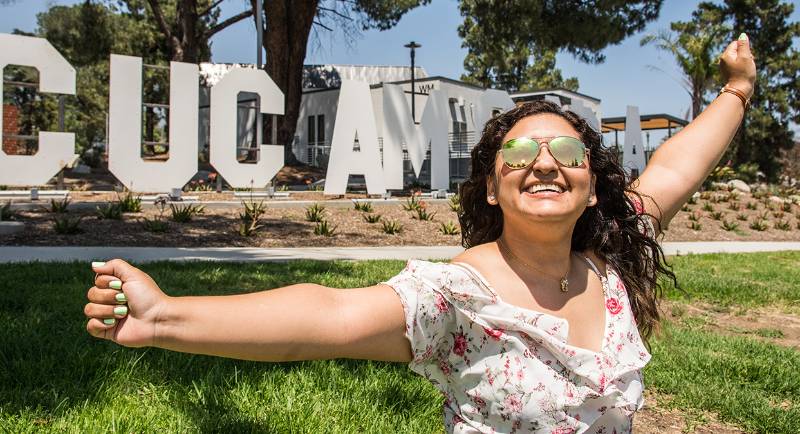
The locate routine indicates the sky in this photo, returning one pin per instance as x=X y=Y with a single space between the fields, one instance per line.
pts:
x=631 y=75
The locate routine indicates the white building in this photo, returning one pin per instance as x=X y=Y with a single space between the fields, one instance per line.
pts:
x=315 y=124
x=318 y=113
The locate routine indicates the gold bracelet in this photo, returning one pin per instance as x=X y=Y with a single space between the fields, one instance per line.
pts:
x=737 y=92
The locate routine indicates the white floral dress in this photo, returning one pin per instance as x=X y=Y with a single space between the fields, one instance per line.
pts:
x=504 y=368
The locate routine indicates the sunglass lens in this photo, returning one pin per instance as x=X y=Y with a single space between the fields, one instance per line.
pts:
x=569 y=151
x=518 y=153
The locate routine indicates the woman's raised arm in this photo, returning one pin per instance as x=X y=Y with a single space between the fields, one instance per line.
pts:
x=678 y=167
x=297 y=322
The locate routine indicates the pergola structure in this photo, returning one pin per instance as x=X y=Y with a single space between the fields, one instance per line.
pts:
x=648 y=122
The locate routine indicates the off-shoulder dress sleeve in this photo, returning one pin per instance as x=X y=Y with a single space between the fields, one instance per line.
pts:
x=430 y=316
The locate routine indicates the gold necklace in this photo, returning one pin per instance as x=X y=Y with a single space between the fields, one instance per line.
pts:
x=563 y=280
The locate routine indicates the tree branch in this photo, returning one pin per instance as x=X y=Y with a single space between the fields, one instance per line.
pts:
x=209 y=9
x=335 y=12
x=159 y=16
x=323 y=26
x=230 y=21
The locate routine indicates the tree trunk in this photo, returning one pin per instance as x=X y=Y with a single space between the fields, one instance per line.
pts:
x=288 y=24
x=187 y=20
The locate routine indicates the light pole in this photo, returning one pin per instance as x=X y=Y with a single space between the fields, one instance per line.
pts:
x=412 y=45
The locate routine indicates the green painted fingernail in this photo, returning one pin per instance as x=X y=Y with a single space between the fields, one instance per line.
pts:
x=109 y=321
x=121 y=298
x=98 y=264
x=743 y=37
x=121 y=310
x=115 y=284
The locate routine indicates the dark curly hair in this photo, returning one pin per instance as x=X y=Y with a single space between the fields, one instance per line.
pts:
x=612 y=228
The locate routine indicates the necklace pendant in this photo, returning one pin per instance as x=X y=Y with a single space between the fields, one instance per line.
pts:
x=564 y=285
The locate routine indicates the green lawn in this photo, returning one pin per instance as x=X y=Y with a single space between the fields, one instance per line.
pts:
x=55 y=377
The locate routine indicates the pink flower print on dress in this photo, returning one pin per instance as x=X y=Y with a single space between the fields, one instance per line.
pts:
x=563 y=430
x=445 y=367
x=621 y=287
x=494 y=333
x=613 y=306
x=460 y=344
x=513 y=404
x=479 y=402
x=441 y=304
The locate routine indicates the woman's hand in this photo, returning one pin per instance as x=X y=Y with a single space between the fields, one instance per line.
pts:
x=738 y=67
x=136 y=297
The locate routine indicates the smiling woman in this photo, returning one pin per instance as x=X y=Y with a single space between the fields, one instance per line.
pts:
x=537 y=327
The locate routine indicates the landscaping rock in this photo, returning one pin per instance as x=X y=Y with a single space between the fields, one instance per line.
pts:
x=719 y=186
x=740 y=185
x=776 y=199
x=9 y=228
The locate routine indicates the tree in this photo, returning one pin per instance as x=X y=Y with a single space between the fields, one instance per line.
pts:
x=507 y=41
x=695 y=45
x=86 y=34
x=775 y=104
x=287 y=27
x=186 y=25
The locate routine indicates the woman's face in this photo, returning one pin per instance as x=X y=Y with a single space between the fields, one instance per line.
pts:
x=512 y=190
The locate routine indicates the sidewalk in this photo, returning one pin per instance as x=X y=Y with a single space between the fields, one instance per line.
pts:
x=10 y=254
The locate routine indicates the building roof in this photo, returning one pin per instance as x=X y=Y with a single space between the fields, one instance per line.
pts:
x=331 y=76
x=649 y=122
x=522 y=95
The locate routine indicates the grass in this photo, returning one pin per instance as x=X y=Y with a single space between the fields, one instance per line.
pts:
x=55 y=377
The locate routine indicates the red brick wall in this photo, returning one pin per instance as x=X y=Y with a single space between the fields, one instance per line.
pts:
x=11 y=126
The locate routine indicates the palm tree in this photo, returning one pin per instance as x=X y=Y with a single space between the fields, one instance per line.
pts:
x=696 y=46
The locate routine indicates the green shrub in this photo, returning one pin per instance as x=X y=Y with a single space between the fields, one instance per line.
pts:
x=686 y=208
x=455 y=203
x=129 y=203
x=315 y=213
x=694 y=217
x=692 y=200
x=735 y=206
x=783 y=225
x=752 y=205
x=758 y=225
x=695 y=226
x=67 y=225
x=424 y=215
x=324 y=228
x=729 y=226
x=59 y=206
x=717 y=215
x=392 y=227
x=747 y=172
x=6 y=213
x=372 y=218
x=449 y=228
x=109 y=211
x=708 y=207
x=154 y=224
x=184 y=213
x=413 y=203
x=741 y=217
x=362 y=206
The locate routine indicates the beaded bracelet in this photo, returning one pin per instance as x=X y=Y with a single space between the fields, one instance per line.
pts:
x=737 y=92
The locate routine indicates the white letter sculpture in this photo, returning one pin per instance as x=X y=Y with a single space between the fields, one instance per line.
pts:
x=224 y=100
x=633 y=153
x=399 y=128
x=125 y=127
x=354 y=118
x=56 y=75
x=490 y=100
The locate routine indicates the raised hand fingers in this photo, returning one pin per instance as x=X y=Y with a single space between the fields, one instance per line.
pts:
x=106 y=296
x=105 y=312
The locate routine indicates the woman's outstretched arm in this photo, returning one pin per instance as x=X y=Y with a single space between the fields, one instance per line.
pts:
x=678 y=167
x=297 y=322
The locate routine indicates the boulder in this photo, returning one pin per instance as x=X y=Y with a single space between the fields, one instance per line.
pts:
x=9 y=228
x=737 y=184
x=776 y=199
